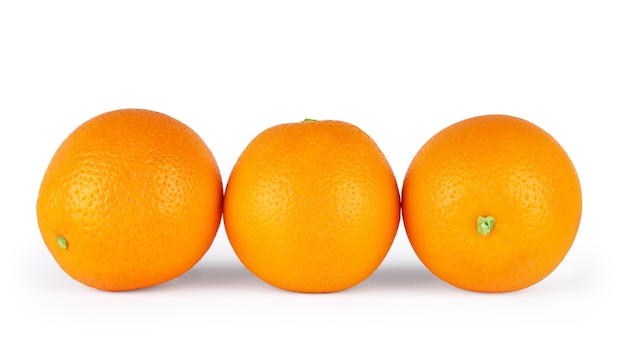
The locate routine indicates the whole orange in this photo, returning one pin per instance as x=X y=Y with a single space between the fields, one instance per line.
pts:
x=491 y=204
x=132 y=198
x=312 y=206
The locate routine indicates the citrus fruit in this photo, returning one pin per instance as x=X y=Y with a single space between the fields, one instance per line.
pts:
x=132 y=198
x=491 y=204
x=312 y=206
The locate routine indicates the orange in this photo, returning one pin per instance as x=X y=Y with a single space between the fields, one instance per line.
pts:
x=132 y=198
x=312 y=206
x=491 y=204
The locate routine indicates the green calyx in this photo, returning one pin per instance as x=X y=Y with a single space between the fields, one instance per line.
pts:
x=62 y=242
x=309 y=120
x=485 y=224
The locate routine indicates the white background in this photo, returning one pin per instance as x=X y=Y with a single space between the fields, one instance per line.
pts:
x=400 y=70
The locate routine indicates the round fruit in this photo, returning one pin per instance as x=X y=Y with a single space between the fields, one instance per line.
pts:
x=312 y=206
x=132 y=198
x=491 y=204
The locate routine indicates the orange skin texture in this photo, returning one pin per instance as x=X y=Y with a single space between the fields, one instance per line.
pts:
x=312 y=206
x=500 y=166
x=136 y=194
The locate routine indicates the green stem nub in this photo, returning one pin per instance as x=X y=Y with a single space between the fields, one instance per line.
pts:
x=309 y=120
x=485 y=224
x=62 y=242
